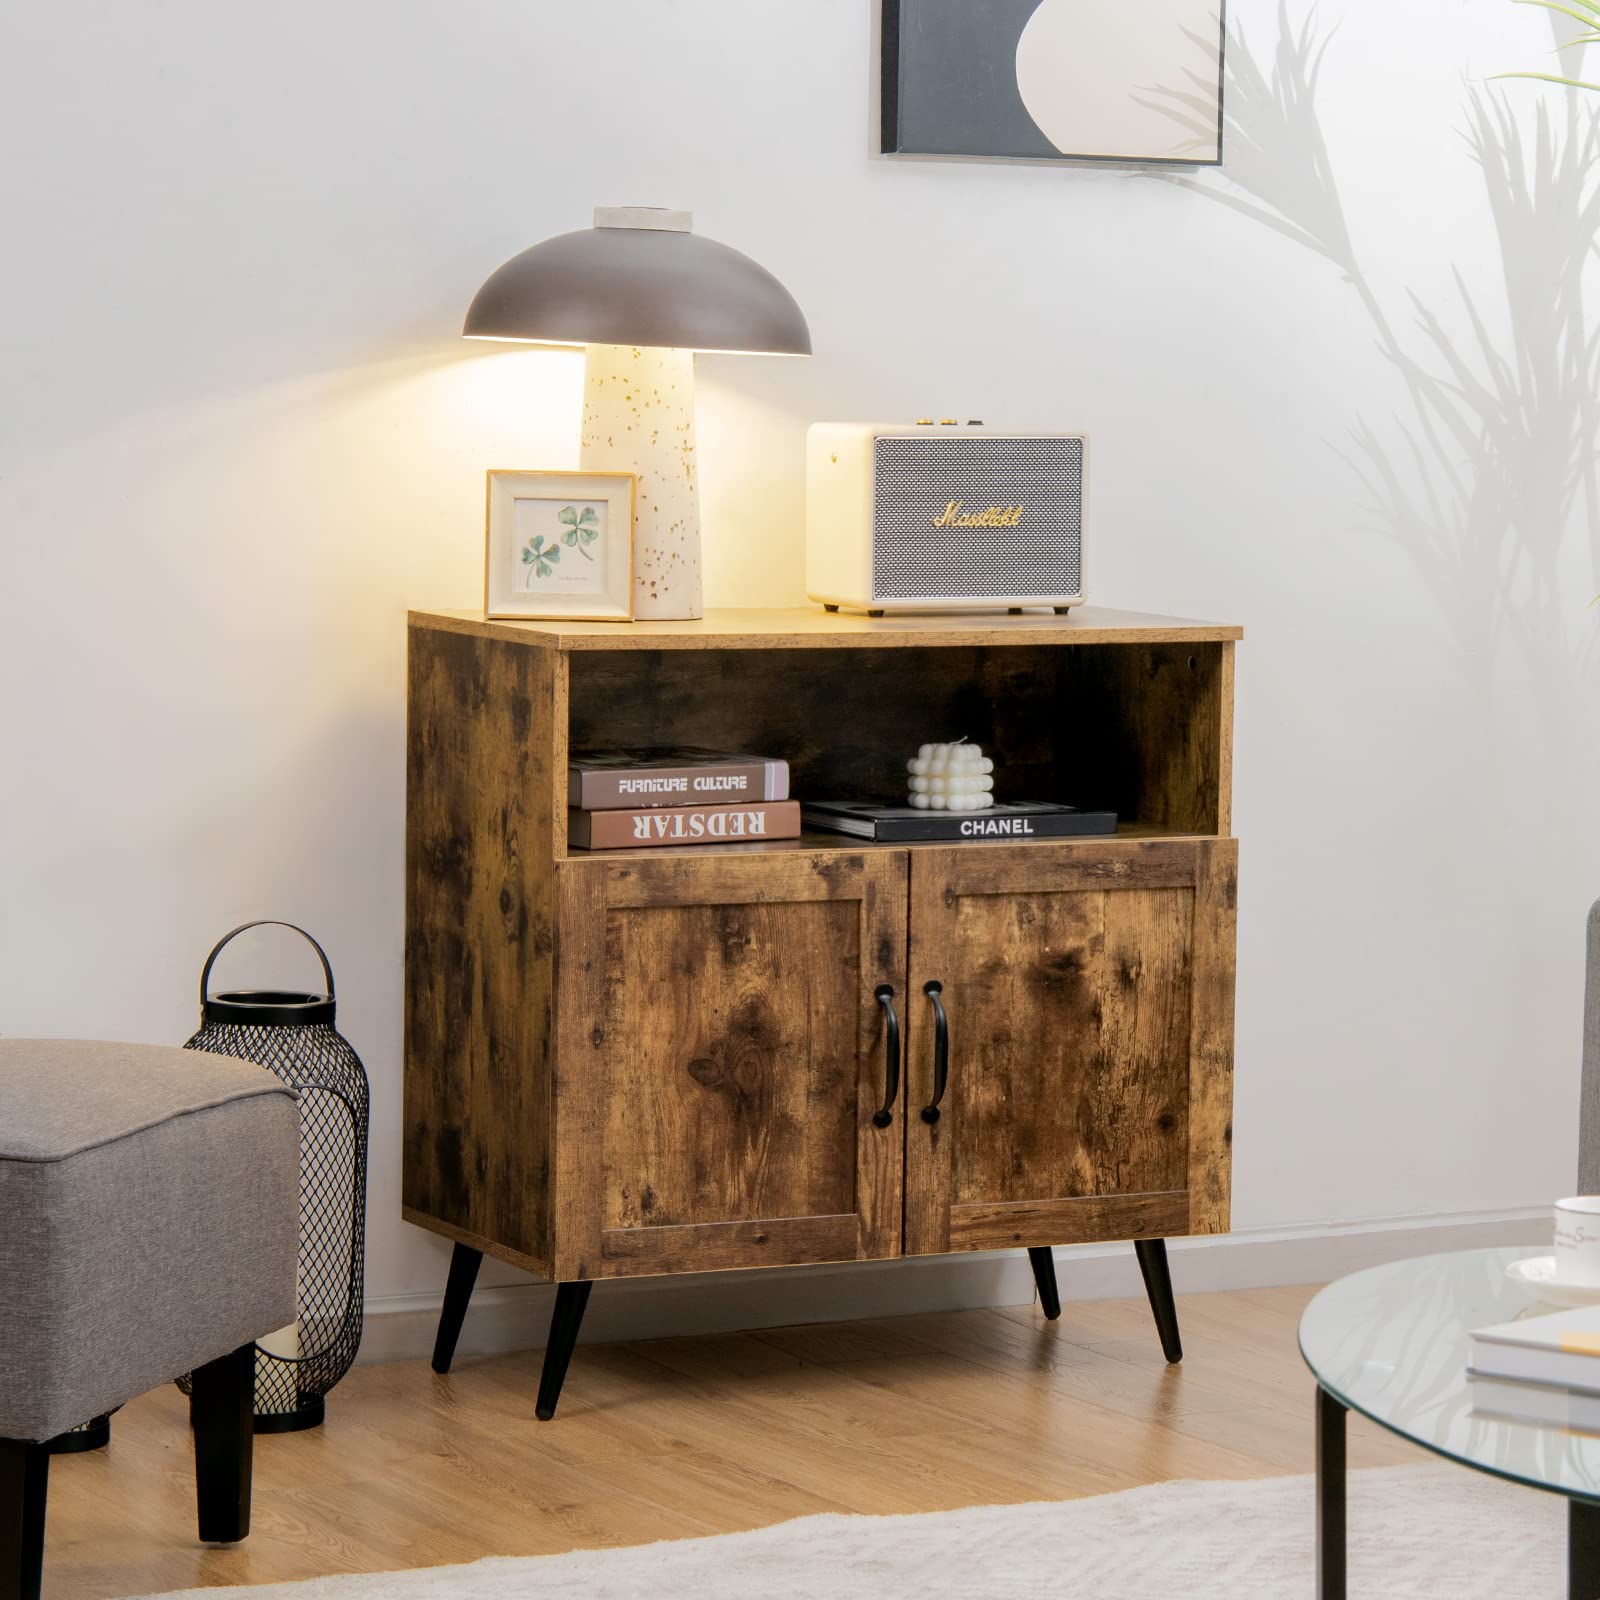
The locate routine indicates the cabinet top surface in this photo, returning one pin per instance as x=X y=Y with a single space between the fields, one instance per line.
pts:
x=812 y=628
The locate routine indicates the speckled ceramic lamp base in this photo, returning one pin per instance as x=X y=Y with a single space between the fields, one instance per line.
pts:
x=638 y=416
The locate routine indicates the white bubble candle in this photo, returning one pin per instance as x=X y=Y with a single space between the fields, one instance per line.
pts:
x=951 y=777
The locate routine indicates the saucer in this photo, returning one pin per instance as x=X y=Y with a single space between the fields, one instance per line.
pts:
x=1538 y=1274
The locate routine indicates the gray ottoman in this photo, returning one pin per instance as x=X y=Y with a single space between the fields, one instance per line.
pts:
x=149 y=1203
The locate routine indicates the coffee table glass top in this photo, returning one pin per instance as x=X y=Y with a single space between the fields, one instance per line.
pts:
x=1392 y=1343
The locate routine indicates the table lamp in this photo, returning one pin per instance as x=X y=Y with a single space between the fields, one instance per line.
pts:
x=643 y=293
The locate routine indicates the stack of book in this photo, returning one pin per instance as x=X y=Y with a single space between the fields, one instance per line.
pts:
x=1544 y=1370
x=626 y=799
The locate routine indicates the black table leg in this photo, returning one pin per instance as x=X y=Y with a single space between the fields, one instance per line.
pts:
x=1330 y=1497
x=222 y=1409
x=1583 y=1550
x=24 y=1479
x=565 y=1320
x=1152 y=1255
x=1043 y=1261
x=464 y=1264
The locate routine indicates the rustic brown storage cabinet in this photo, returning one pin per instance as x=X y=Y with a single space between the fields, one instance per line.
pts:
x=677 y=1059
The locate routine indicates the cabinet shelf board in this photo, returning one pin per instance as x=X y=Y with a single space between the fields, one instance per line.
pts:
x=811 y=628
x=813 y=841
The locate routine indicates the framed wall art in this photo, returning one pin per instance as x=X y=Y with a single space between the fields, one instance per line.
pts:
x=559 y=545
x=1082 y=80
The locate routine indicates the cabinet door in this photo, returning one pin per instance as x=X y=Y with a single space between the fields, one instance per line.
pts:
x=1089 y=994
x=721 y=1056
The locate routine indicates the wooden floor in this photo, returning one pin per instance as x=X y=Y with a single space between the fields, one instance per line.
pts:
x=681 y=1437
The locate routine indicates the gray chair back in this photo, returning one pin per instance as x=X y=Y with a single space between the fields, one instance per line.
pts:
x=1589 y=1109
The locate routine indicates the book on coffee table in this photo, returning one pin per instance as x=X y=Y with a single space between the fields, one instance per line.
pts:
x=1005 y=819
x=1544 y=1405
x=1561 y=1348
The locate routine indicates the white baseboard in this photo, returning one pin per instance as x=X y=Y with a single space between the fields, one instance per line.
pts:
x=514 y=1317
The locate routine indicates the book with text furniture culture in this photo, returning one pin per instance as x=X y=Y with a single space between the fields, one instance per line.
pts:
x=607 y=780
x=1015 y=819
x=660 y=825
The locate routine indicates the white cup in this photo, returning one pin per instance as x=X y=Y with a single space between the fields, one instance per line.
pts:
x=1578 y=1241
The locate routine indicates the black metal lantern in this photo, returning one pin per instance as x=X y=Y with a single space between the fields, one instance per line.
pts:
x=292 y=1034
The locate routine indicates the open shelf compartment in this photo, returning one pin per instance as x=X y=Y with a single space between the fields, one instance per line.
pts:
x=1139 y=728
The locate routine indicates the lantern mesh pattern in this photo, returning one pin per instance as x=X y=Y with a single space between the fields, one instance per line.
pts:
x=316 y=1060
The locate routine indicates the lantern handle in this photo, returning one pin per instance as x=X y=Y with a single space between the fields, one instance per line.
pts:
x=263 y=922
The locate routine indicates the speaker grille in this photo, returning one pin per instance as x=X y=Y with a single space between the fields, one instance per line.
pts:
x=915 y=479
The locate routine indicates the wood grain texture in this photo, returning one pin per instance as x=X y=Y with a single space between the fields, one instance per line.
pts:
x=731 y=1064
x=478 y=1241
x=612 y=1057
x=718 y=1246
x=1074 y=1037
x=676 y=1438
x=732 y=1077
x=812 y=628
x=845 y=720
x=1129 y=727
x=1077 y=981
x=1225 y=740
x=1083 y=1219
x=1211 y=1061
x=480 y=937
x=1154 y=724
x=579 y=1081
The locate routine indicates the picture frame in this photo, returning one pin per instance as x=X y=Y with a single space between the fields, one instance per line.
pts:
x=558 y=546
x=1053 y=80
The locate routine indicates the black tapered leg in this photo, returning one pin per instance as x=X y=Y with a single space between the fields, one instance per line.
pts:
x=1330 y=1497
x=1583 y=1550
x=464 y=1264
x=1043 y=1261
x=1152 y=1255
x=565 y=1320
x=24 y=1479
x=222 y=1410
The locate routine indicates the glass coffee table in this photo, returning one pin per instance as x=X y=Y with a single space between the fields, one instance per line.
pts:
x=1391 y=1343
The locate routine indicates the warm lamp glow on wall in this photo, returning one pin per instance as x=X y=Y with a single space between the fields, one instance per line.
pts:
x=643 y=293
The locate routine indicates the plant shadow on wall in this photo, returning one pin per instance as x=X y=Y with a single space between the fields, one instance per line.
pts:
x=1487 y=475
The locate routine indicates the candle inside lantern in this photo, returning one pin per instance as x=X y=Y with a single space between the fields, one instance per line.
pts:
x=951 y=777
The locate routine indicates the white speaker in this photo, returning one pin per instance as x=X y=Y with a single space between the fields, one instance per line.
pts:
x=943 y=517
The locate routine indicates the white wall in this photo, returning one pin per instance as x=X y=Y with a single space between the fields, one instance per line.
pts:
x=238 y=437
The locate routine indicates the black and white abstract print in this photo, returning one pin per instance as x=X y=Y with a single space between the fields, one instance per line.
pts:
x=1113 y=80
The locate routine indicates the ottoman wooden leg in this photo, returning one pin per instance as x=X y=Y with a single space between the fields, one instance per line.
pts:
x=222 y=1409
x=24 y=1478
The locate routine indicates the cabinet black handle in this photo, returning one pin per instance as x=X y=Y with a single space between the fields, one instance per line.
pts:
x=884 y=995
x=941 y=1050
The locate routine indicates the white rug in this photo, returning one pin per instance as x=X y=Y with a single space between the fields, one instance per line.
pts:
x=1416 y=1533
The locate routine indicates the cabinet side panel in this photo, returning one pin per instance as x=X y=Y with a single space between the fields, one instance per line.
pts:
x=479 y=938
x=1225 y=739
x=1152 y=732
x=1211 y=1061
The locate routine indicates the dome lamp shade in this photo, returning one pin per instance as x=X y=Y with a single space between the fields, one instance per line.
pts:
x=649 y=283
x=642 y=293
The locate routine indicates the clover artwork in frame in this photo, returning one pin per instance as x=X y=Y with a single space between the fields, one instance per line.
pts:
x=559 y=545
